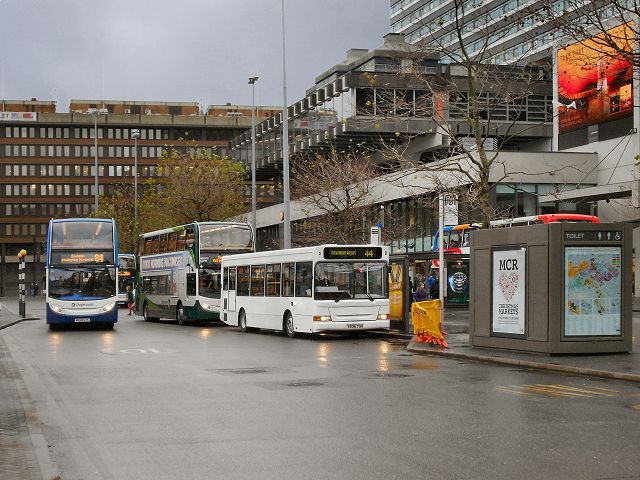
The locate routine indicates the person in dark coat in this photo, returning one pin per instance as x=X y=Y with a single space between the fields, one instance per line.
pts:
x=421 y=294
x=434 y=290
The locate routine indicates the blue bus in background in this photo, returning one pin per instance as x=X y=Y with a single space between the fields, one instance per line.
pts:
x=82 y=272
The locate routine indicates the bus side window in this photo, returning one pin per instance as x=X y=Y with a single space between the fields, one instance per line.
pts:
x=191 y=283
x=182 y=239
x=257 y=280
x=288 y=271
x=225 y=278
x=163 y=243
x=303 y=279
x=155 y=244
x=243 y=281
x=140 y=246
x=232 y=278
x=273 y=280
x=191 y=236
x=171 y=245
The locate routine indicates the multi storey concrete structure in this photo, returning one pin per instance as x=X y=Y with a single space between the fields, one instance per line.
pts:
x=47 y=158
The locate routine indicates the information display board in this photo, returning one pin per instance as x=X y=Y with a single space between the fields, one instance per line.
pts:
x=592 y=291
x=508 y=291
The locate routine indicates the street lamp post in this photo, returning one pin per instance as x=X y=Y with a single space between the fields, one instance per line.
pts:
x=135 y=134
x=252 y=82
x=285 y=143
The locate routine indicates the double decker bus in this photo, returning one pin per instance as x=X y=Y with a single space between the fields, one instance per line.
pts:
x=81 y=272
x=126 y=275
x=327 y=288
x=180 y=272
x=456 y=237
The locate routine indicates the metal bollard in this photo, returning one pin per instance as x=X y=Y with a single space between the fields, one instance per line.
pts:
x=21 y=287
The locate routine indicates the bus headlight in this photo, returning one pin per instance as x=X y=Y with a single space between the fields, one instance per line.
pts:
x=322 y=318
x=107 y=307
x=383 y=316
x=208 y=307
x=56 y=308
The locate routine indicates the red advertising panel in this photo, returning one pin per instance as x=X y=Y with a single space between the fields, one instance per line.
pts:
x=597 y=79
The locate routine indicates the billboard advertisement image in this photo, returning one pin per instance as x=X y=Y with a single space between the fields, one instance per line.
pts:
x=597 y=79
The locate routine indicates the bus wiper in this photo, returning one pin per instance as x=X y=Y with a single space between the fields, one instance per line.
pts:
x=369 y=295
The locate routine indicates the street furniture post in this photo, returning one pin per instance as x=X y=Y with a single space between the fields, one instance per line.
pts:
x=21 y=287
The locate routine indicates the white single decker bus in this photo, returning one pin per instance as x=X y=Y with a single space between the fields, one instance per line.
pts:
x=327 y=288
x=180 y=269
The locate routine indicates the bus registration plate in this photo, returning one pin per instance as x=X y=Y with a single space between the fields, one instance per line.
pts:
x=82 y=320
x=355 y=325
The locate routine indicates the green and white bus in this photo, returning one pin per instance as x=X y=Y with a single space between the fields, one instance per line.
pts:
x=180 y=269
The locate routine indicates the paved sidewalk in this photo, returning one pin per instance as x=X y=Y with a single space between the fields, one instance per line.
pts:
x=9 y=311
x=621 y=366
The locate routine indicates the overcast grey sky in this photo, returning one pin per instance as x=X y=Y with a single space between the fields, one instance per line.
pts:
x=176 y=50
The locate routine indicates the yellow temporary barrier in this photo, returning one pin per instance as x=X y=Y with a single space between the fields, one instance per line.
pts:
x=427 y=324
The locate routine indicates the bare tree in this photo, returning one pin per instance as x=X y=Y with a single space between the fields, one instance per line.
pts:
x=334 y=189
x=478 y=107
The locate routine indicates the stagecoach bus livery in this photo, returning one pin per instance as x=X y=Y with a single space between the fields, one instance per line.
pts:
x=81 y=271
x=309 y=290
x=180 y=271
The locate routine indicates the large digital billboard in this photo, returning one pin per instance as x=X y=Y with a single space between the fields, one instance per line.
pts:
x=597 y=79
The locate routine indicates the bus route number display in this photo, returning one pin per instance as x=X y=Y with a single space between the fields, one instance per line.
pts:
x=352 y=253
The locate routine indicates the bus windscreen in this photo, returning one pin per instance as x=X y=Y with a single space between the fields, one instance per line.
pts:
x=82 y=235
x=225 y=237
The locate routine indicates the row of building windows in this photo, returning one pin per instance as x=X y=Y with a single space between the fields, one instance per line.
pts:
x=52 y=190
x=23 y=229
x=87 y=151
x=77 y=171
x=77 y=151
x=47 y=209
x=84 y=132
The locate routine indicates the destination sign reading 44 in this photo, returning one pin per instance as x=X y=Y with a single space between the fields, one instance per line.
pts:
x=352 y=253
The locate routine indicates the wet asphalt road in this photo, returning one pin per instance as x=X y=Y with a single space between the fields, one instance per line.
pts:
x=161 y=401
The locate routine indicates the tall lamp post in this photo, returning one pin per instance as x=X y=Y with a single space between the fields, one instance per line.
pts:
x=95 y=112
x=285 y=143
x=135 y=134
x=252 y=82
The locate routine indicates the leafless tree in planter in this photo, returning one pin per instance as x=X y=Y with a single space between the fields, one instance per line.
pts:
x=334 y=191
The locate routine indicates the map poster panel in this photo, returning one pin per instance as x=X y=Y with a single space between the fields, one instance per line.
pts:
x=508 y=291
x=592 y=291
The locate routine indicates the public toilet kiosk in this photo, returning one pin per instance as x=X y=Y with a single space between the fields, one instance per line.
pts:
x=560 y=288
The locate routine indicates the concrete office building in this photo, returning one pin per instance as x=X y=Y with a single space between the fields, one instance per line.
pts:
x=47 y=160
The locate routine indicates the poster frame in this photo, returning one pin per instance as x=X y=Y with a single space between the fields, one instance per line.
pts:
x=493 y=333
x=563 y=313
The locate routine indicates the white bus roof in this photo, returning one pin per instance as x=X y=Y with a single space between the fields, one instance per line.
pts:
x=178 y=227
x=308 y=252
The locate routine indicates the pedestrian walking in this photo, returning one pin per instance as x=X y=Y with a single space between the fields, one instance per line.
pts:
x=130 y=298
x=434 y=289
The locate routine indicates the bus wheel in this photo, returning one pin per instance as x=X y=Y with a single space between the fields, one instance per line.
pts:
x=180 y=315
x=108 y=326
x=289 y=328
x=242 y=322
x=145 y=312
x=53 y=327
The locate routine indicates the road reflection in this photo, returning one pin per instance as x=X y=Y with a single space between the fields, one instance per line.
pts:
x=323 y=353
x=106 y=341
x=55 y=340
x=205 y=333
x=383 y=360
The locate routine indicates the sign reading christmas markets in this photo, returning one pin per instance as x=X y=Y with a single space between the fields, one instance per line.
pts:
x=352 y=253
x=508 y=297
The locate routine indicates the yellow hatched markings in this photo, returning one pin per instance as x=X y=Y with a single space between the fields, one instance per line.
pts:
x=556 y=390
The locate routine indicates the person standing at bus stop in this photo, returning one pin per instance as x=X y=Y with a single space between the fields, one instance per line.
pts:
x=130 y=299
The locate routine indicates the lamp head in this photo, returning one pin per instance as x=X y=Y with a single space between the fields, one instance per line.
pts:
x=135 y=133
x=253 y=80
